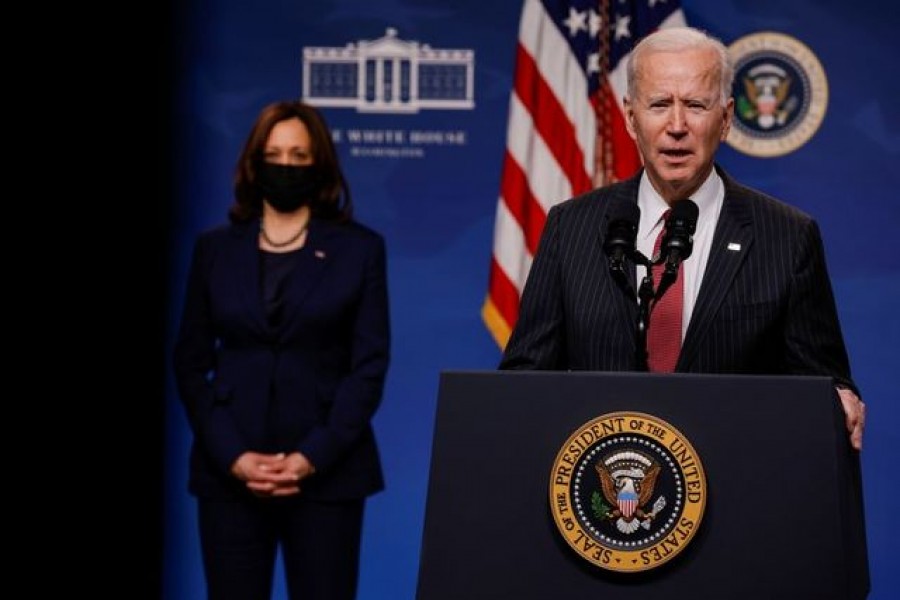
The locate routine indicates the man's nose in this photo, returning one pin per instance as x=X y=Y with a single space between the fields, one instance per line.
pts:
x=677 y=122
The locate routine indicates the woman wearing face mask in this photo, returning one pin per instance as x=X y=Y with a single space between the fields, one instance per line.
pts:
x=280 y=362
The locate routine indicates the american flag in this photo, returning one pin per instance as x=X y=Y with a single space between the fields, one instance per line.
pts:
x=566 y=130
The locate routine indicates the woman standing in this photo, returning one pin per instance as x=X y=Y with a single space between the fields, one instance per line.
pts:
x=280 y=362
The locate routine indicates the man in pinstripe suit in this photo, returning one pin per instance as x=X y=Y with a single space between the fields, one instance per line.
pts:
x=757 y=295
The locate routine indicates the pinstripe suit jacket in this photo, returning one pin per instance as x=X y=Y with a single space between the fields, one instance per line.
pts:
x=766 y=309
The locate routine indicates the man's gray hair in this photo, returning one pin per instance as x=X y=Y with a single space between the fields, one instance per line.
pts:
x=672 y=39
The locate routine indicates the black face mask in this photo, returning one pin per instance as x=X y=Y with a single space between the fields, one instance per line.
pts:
x=288 y=187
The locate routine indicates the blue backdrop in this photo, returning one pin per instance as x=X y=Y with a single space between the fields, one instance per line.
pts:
x=431 y=188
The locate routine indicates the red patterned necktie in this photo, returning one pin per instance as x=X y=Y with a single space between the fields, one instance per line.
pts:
x=664 y=330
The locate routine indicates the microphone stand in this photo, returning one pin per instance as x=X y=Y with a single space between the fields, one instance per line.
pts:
x=645 y=296
x=617 y=268
x=670 y=274
x=676 y=246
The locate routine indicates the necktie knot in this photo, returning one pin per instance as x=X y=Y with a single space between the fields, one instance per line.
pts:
x=662 y=233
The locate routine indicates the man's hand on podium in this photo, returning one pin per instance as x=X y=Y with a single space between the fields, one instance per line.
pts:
x=855 y=410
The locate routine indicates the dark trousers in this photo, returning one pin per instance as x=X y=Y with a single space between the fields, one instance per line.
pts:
x=320 y=544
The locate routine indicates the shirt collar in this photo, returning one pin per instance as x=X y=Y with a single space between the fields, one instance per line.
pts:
x=653 y=206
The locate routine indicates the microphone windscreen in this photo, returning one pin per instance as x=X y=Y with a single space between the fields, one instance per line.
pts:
x=621 y=229
x=684 y=215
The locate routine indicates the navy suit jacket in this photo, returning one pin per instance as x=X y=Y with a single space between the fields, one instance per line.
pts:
x=767 y=308
x=311 y=385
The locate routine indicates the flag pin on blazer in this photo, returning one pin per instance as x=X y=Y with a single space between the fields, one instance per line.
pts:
x=734 y=247
x=320 y=254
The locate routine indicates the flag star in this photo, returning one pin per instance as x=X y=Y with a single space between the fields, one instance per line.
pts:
x=596 y=23
x=576 y=22
x=593 y=65
x=622 y=25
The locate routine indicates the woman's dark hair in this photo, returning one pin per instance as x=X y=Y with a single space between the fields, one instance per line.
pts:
x=334 y=201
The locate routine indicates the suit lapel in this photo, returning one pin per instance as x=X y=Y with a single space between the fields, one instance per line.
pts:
x=246 y=271
x=731 y=243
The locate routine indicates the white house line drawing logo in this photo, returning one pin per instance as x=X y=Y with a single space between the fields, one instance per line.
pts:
x=389 y=75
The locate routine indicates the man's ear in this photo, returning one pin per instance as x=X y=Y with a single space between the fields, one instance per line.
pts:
x=728 y=117
x=629 y=117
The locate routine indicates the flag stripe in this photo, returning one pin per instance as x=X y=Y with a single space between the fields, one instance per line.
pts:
x=546 y=180
x=522 y=204
x=551 y=122
x=507 y=300
x=511 y=257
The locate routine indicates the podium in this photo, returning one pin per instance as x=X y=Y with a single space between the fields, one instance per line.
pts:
x=783 y=515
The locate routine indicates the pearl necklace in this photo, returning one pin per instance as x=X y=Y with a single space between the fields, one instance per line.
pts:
x=287 y=242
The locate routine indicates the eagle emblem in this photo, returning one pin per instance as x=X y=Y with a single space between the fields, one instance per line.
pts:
x=627 y=480
x=766 y=96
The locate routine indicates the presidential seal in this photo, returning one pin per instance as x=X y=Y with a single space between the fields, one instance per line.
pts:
x=627 y=491
x=780 y=93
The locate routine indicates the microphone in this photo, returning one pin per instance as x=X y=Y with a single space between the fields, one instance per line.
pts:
x=621 y=233
x=678 y=241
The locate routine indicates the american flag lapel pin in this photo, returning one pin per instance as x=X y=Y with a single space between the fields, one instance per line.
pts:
x=320 y=254
x=734 y=247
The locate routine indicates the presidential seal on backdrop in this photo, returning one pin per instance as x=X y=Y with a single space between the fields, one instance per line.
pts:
x=627 y=491
x=780 y=93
